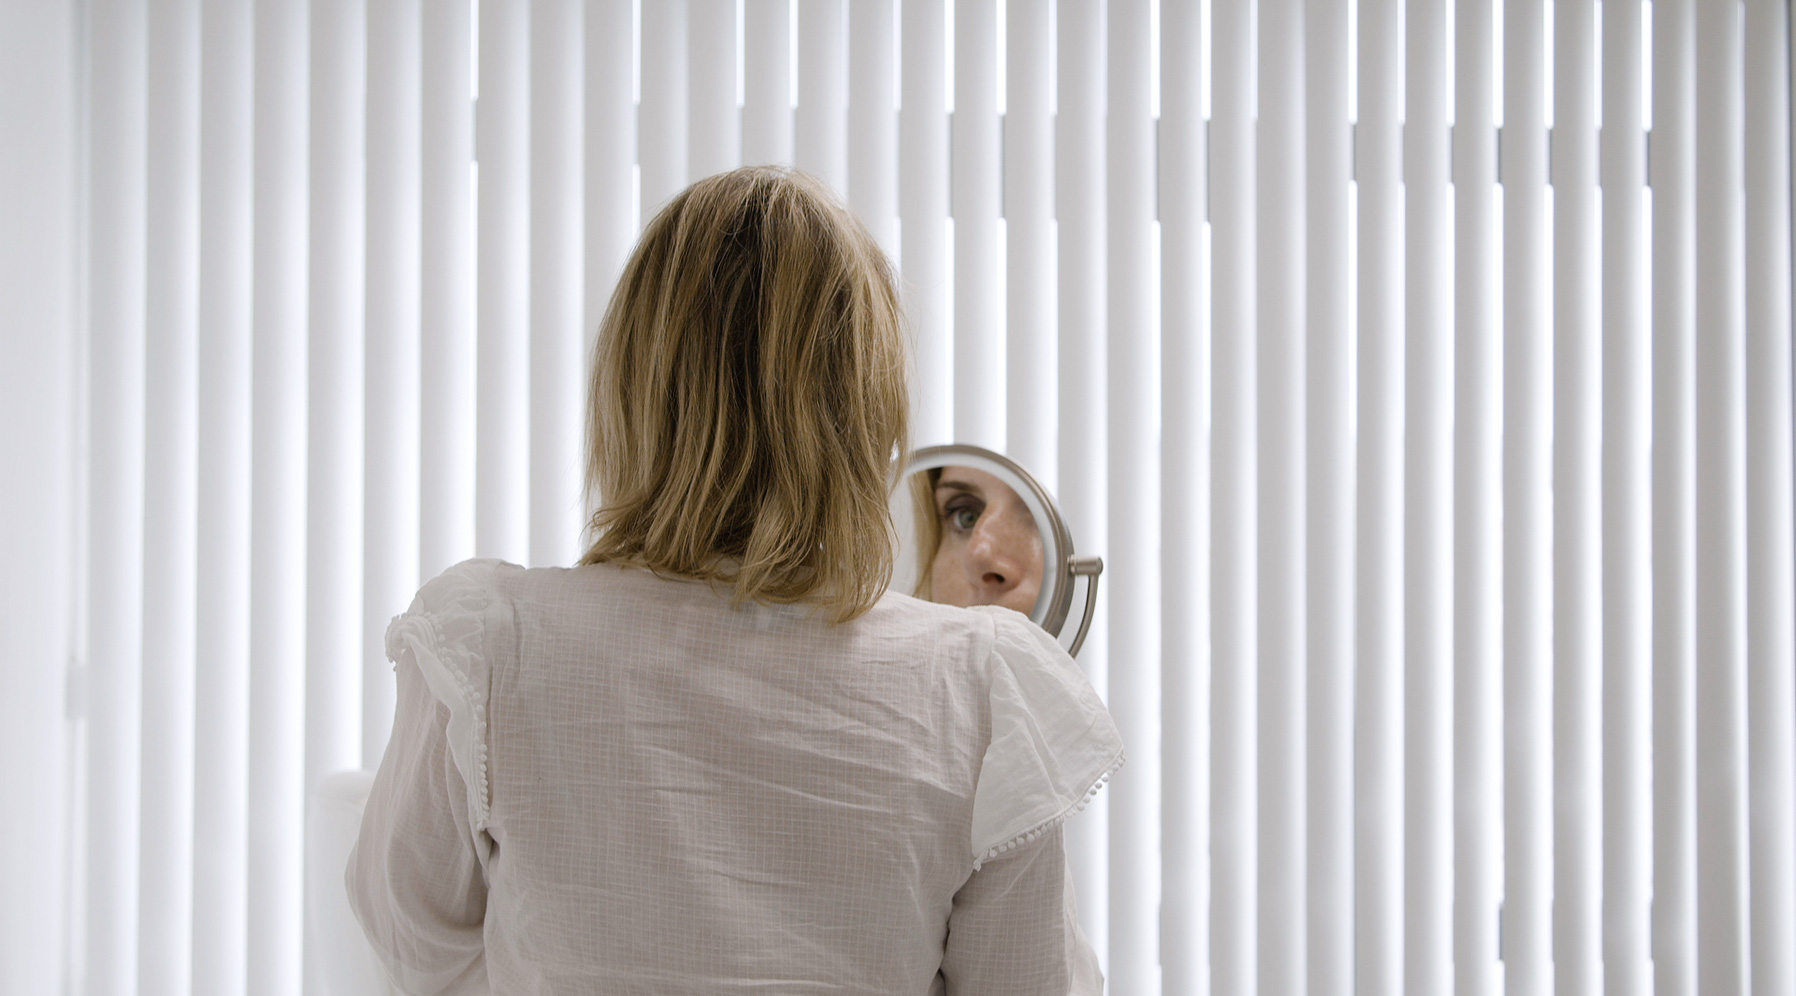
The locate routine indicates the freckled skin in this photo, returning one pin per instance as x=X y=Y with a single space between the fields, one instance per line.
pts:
x=990 y=552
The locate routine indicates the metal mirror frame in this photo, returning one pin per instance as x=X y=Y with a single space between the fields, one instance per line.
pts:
x=1060 y=565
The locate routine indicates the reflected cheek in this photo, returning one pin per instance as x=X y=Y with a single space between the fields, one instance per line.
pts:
x=948 y=578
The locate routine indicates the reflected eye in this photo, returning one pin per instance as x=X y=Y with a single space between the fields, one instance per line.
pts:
x=963 y=513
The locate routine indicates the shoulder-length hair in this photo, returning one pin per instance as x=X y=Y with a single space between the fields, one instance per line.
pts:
x=748 y=399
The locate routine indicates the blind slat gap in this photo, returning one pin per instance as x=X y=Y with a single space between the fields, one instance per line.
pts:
x=1131 y=474
x=1378 y=712
x=503 y=266
x=278 y=562
x=222 y=570
x=974 y=171
x=1527 y=509
x=820 y=128
x=335 y=388
x=116 y=201
x=1771 y=589
x=1031 y=389
x=392 y=349
x=1674 y=498
x=1478 y=482
x=1723 y=918
x=1626 y=517
x=1185 y=486
x=1329 y=483
x=872 y=158
x=609 y=166
x=1577 y=512
x=446 y=311
x=923 y=212
x=1234 y=585
x=663 y=125
x=557 y=269
x=1079 y=197
x=170 y=429
x=1427 y=504
x=1282 y=313
x=715 y=120
x=766 y=82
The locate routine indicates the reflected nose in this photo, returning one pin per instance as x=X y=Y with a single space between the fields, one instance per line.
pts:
x=989 y=561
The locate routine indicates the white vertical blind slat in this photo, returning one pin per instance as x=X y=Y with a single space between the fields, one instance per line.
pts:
x=1184 y=495
x=663 y=132
x=766 y=82
x=1673 y=499
x=1132 y=479
x=502 y=274
x=1626 y=508
x=171 y=310
x=1329 y=483
x=557 y=268
x=923 y=212
x=1283 y=610
x=974 y=174
x=1234 y=688
x=1771 y=588
x=116 y=264
x=1723 y=917
x=820 y=129
x=222 y=546
x=1478 y=475
x=873 y=120
x=391 y=399
x=1577 y=511
x=1079 y=205
x=1031 y=392
x=1428 y=507
x=1527 y=509
x=715 y=120
x=446 y=389
x=610 y=156
x=335 y=430
x=1378 y=698
x=277 y=723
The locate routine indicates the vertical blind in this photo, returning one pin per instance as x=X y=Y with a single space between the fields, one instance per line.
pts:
x=1421 y=369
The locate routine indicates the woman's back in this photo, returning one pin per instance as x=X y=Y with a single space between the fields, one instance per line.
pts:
x=675 y=795
x=717 y=757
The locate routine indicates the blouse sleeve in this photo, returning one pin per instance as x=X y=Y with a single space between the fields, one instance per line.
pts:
x=1053 y=743
x=416 y=878
x=1014 y=928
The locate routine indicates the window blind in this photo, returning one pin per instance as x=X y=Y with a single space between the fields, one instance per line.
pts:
x=1434 y=424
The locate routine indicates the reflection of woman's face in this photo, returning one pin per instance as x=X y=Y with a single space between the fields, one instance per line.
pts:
x=990 y=552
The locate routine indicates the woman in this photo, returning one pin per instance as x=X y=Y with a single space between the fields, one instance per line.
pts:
x=716 y=757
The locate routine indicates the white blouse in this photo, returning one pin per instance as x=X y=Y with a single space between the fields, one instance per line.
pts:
x=605 y=781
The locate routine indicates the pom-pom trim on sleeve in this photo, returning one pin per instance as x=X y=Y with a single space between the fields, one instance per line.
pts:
x=444 y=632
x=1034 y=834
x=1053 y=744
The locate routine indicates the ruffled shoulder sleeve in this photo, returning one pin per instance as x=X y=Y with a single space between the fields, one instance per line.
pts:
x=456 y=621
x=1053 y=743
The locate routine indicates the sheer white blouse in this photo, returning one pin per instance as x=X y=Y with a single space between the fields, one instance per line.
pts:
x=604 y=781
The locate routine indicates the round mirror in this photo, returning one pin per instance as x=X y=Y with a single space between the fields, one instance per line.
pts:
x=975 y=529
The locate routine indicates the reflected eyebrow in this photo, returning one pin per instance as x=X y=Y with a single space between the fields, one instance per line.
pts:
x=966 y=487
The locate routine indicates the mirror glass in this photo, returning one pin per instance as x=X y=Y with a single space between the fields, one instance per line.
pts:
x=976 y=529
x=978 y=544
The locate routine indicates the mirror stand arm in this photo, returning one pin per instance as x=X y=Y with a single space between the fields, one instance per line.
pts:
x=1089 y=567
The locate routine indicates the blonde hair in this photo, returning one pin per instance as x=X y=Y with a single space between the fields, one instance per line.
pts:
x=748 y=397
x=929 y=529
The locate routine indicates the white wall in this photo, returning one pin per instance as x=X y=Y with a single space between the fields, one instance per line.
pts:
x=38 y=184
